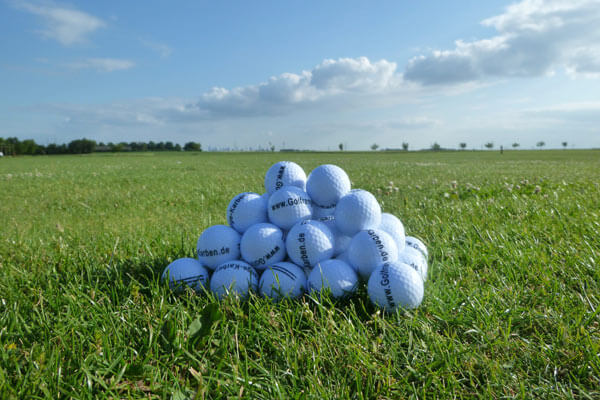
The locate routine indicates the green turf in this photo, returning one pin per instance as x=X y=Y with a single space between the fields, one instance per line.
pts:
x=510 y=308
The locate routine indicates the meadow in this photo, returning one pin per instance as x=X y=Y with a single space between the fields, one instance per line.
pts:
x=511 y=306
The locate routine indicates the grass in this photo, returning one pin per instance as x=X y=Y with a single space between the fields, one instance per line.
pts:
x=510 y=309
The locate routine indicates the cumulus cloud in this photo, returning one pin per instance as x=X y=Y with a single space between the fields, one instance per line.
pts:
x=102 y=64
x=534 y=38
x=68 y=26
x=345 y=77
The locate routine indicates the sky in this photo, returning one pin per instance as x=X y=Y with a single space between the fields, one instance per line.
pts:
x=302 y=74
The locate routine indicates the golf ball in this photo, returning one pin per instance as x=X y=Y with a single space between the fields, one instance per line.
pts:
x=417 y=244
x=356 y=211
x=289 y=205
x=217 y=244
x=335 y=275
x=186 y=272
x=326 y=184
x=321 y=212
x=309 y=242
x=284 y=173
x=341 y=241
x=245 y=210
x=233 y=277
x=345 y=258
x=371 y=248
x=394 y=285
x=282 y=279
x=416 y=259
x=262 y=244
x=392 y=225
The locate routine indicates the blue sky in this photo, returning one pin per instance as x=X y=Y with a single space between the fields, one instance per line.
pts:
x=302 y=74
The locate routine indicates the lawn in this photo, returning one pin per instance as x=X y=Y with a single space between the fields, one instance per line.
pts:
x=511 y=305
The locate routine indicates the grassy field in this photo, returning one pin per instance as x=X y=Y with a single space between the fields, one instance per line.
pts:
x=510 y=309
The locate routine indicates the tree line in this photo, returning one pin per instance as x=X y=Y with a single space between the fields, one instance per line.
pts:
x=14 y=146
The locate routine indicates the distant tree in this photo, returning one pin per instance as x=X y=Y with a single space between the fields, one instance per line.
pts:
x=463 y=145
x=151 y=146
x=177 y=147
x=515 y=145
x=565 y=144
x=81 y=146
x=405 y=146
x=374 y=146
x=192 y=146
x=341 y=146
x=160 y=146
x=540 y=144
x=489 y=145
x=436 y=146
x=169 y=146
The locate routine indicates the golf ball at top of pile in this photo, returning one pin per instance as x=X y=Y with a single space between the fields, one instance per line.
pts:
x=284 y=173
x=282 y=279
x=289 y=205
x=392 y=225
x=394 y=285
x=326 y=184
x=217 y=244
x=416 y=259
x=371 y=248
x=262 y=244
x=245 y=210
x=341 y=241
x=309 y=242
x=233 y=277
x=356 y=211
x=417 y=244
x=335 y=275
x=186 y=272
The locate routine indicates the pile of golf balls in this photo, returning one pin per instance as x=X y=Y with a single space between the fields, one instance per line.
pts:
x=306 y=235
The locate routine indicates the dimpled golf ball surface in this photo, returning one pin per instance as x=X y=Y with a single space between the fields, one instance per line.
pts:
x=417 y=244
x=356 y=211
x=281 y=280
x=326 y=184
x=370 y=249
x=394 y=285
x=392 y=225
x=415 y=259
x=284 y=173
x=341 y=241
x=334 y=274
x=217 y=244
x=233 y=277
x=245 y=210
x=186 y=272
x=319 y=212
x=289 y=205
x=262 y=245
x=309 y=242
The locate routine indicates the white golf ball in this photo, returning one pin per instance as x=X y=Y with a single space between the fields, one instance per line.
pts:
x=326 y=184
x=233 y=277
x=356 y=211
x=417 y=244
x=345 y=257
x=394 y=285
x=335 y=275
x=392 y=225
x=245 y=210
x=289 y=205
x=217 y=244
x=282 y=279
x=309 y=242
x=371 y=248
x=186 y=272
x=416 y=259
x=322 y=212
x=262 y=244
x=341 y=241
x=284 y=173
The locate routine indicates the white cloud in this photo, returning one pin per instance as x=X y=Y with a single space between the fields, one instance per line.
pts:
x=161 y=49
x=534 y=38
x=102 y=64
x=66 y=25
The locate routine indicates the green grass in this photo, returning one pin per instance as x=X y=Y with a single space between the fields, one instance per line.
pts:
x=510 y=308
